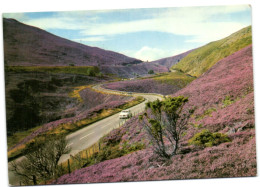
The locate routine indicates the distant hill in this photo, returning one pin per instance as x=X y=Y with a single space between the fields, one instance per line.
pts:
x=27 y=45
x=200 y=60
x=129 y=71
x=170 y=61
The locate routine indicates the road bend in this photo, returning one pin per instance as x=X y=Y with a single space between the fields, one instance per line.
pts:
x=87 y=136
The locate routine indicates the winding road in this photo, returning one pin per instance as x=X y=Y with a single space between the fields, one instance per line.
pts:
x=89 y=135
x=85 y=137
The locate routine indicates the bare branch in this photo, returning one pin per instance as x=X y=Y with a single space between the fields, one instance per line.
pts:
x=41 y=161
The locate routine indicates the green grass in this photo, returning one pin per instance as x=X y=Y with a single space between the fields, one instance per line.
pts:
x=18 y=136
x=228 y=101
x=81 y=70
x=174 y=78
x=200 y=60
x=206 y=113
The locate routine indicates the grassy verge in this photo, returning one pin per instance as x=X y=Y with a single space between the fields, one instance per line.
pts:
x=109 y=147
x=75 y=92
x=72 y=127
x=98 y=153
x=67 y=128
x=175 y=78
x=81 y=70
x=18 y=136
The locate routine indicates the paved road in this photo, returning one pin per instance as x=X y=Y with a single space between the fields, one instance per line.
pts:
x=89 y=135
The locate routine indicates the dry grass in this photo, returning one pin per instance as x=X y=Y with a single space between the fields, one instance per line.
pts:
x=75 y=92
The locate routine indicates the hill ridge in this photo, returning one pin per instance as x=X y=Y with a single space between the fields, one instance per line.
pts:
x=172 y=60
x=40 y=47
x=201 y=59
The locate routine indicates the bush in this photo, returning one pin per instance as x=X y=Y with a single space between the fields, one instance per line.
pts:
x=41 y=162
x=206 y=138
x=166 y=120
x=150 y=71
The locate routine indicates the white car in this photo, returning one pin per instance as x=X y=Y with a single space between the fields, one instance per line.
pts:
x=124 y=114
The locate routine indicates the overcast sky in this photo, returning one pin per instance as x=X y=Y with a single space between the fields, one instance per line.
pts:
x=146 y=34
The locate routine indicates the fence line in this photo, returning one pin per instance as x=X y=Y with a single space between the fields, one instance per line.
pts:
x=86 y=154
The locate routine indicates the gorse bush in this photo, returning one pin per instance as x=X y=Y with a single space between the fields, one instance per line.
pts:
x=166 y=121
x=206 y=138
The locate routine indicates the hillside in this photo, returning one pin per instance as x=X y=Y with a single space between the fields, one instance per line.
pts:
x=27 y=45
x=90 y=104
x=30 y=46
x=223 y=99
x=129 y=71
x=170 y=61
x=165 y=83
x=200 y=60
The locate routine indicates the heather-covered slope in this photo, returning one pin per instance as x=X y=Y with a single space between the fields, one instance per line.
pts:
x=170 y=61
x=142 y=86
x=133 y=70
x=163 y=84
x=224 y=95
x=27 y=45
x=224 y=102
x=200 y=60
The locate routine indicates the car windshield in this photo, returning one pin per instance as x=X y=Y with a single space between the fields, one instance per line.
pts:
x=125 y=111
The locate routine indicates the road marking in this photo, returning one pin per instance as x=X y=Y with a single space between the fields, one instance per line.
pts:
x=86 y=135
x=69 y=145
x=105 y=126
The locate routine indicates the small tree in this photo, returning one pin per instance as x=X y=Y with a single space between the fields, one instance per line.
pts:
x=150 y=71
x=166 y=121
x=41 y=160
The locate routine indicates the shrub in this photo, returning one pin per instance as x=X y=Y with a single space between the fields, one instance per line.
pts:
x=166 y=120
x=206 y=138
x=41 y=162
x=150 y=71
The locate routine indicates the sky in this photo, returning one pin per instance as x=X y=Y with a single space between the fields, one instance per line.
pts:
x=146 y=34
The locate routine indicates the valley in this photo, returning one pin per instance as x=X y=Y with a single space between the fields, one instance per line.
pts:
x=57 y=87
